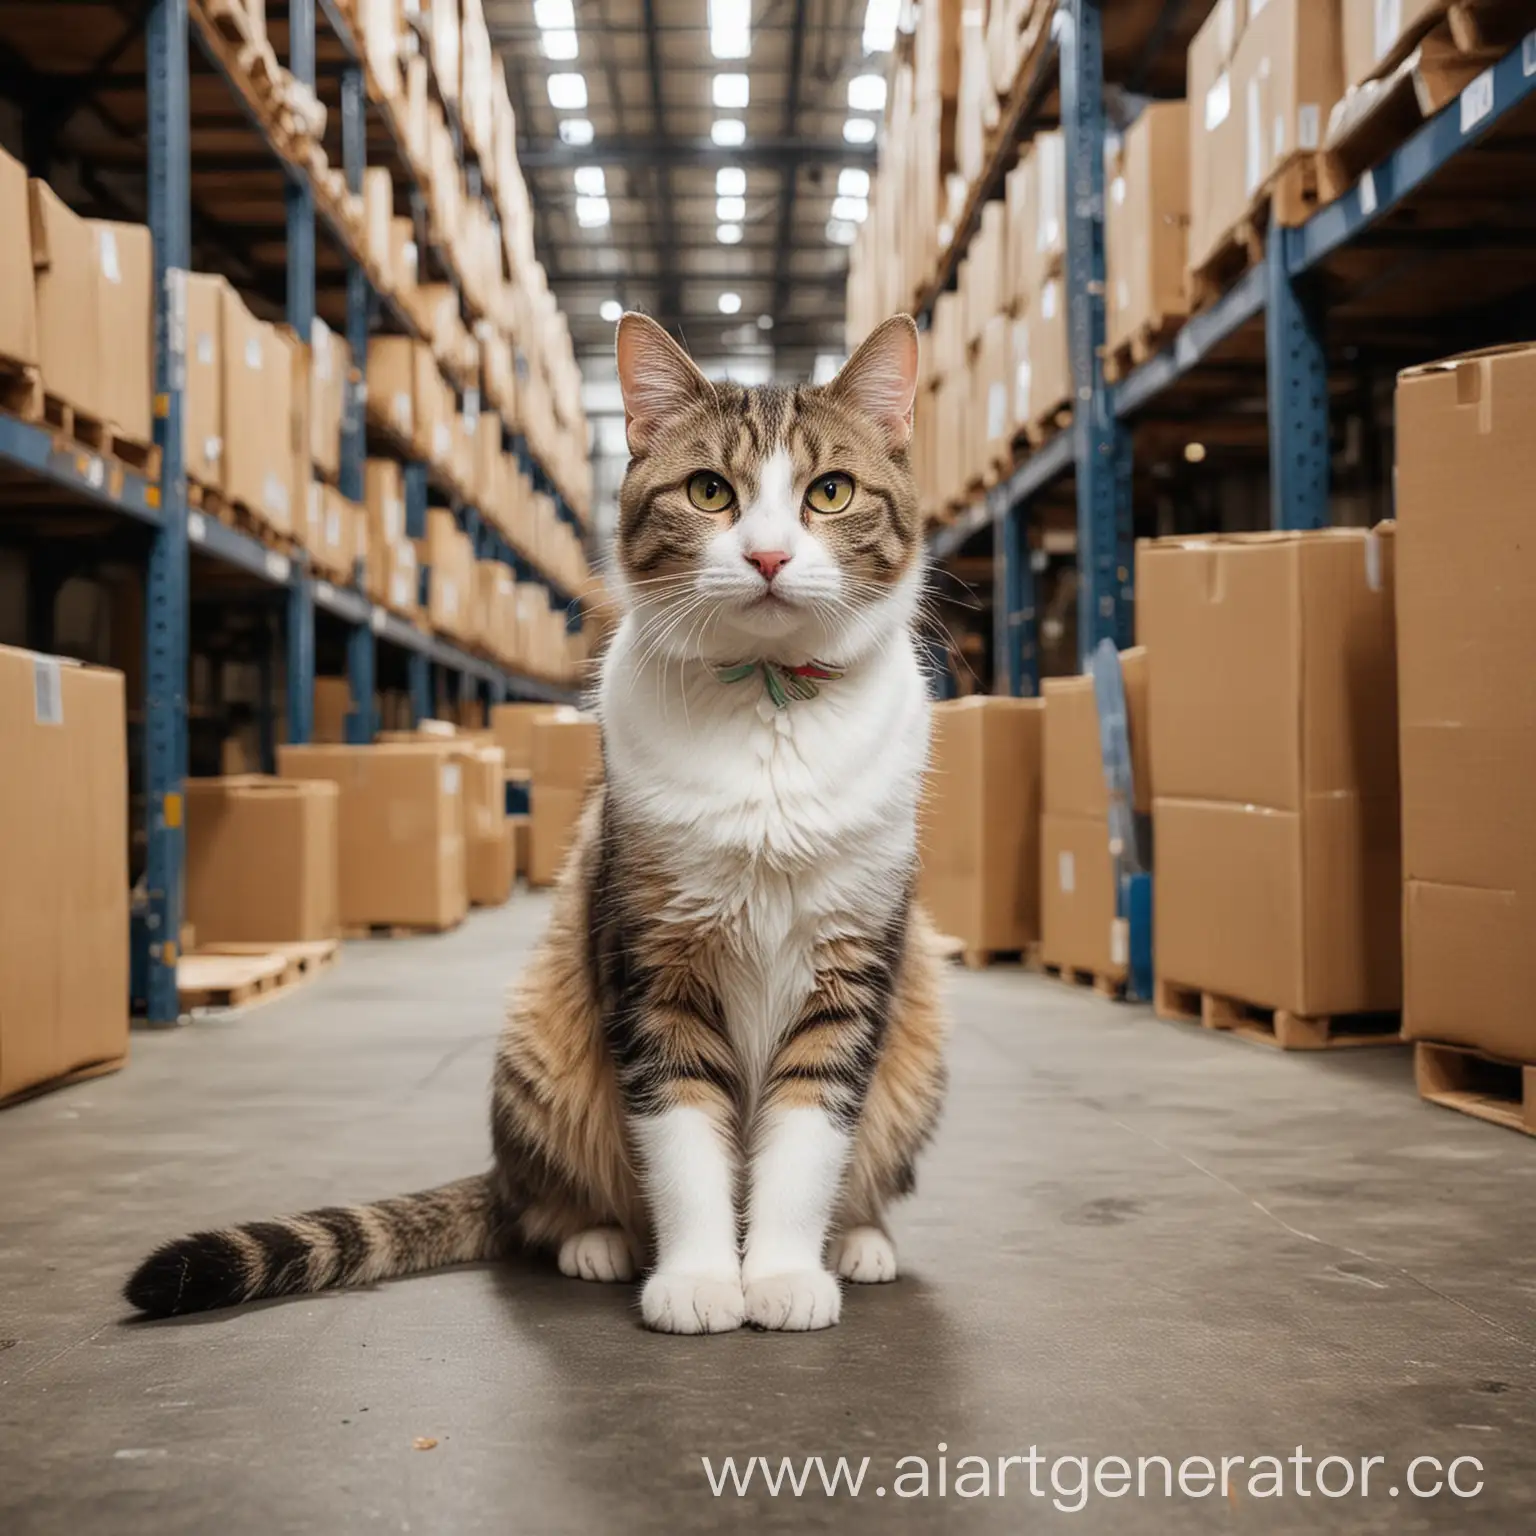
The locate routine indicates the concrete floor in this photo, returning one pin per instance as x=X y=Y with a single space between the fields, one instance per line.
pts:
x=1132 y=1238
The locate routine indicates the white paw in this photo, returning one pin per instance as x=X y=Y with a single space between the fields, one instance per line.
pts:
x=865 y=1255
x=675 y=1303
x=600 y=1253
x=798 y=1301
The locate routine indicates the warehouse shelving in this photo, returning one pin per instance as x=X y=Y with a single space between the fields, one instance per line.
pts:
x=1279 y=310
x=56 y=473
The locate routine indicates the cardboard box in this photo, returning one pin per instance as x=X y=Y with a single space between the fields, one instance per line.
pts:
x=489 y=850
x=68 y=301
x=980 y=822
x=333 y=703
x=1147 y=224
x=1378 y=33
x=258 y=408
x=63 y=870
x=1216 y=133
x=566 y=762
x=330 y=367
x=203 y=403
x=262 y=860
x=513 y=727
x=1466 y=632
x=520 y=827
x=1273 y=722
x=1050 y=363
x=553 y=823
x=402 y=830
x=125 y=274
x=1078 y=926
x=18 y=296
x=392 y=383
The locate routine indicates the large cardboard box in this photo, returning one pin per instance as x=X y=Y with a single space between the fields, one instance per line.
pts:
x=18 y=296
x=68 y=297
x=1273 y=721
x=980 y=822
x=63 y=870
x=489 y=849
x=567 y=759
x=1466 y=632
x=1050 y=362
x=333 y=703
x=402 y=830
x=258 y=405
x=262 y=860
x=1147 y=224
x=203 y=403
x=392 y=383
x=1377 y=33
x=1216 y=132
x=125 y=274
x=513 y=726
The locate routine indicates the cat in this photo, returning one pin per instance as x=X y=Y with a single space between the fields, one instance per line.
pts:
x=727 y=1051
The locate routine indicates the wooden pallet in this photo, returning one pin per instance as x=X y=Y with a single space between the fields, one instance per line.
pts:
x=1271 y=1026
x=1289 y=197
x=99 y=437
x=242 y=518
x=983 y=959
x=1143 y=344
x=21 y=390
x=1501 y=1092
x=1076 y=976
x=395 y=930
x=302 y=959
x=227 y=981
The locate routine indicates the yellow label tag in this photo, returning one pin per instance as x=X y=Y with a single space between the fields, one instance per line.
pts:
x=162 y=406
x=168 y=953
x=151 y=495
x=171 y=809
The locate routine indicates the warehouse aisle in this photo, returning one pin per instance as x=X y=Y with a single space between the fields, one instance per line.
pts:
x=1131 y=1239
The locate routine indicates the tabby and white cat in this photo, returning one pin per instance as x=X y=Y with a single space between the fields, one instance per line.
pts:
x=727 y=1051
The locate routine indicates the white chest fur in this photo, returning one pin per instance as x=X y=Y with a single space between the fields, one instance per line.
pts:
x=780 y=828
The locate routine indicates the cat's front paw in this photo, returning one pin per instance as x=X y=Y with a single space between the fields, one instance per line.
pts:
x=682 y=1303
x=600 y=1253
x=865 y=1255
x=796 y=1302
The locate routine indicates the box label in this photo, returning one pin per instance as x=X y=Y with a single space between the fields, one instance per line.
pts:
x=1066 y=871
x=450 y=778
x=205 y=348
x=253 y=353
x=1477 y=101
x=1389 y=22
x=1119 y=941
x=106 y=242
x=1218 y=102
x=1308 y=125
x=47 y=691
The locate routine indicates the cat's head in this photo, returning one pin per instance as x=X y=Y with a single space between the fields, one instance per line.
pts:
x=768 y=522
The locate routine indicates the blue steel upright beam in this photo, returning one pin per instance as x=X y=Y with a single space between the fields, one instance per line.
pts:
x=1101 y=445
x=354 y=142
x=1297 y=367
x=1013 y=598
x=166 y=584
x=360 y=723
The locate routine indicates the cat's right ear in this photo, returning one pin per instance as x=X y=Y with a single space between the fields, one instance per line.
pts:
x=656 y=377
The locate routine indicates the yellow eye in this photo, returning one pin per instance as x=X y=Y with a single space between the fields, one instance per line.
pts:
x=829 y=493
x=709 y=492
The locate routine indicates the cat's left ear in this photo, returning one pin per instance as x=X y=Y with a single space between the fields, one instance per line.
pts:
x=656 y=378
x=880 y=379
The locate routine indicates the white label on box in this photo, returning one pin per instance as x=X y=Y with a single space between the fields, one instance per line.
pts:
x=94 y=472
x=333 y=528
x=450 y=778
x=47 y=691
x=1119 y=941
x=997 y=410
x=399 y=589
x=1021 y=377
x=1373 y=561
x=1367 y=194
x=1253 y=146
x=253 y=353
x=277 y=565
x=1218 y=102
x=1048 y=300
x=1117 y=190
x=394 y=518
x=442 y=439
x=377 y=620
x=213 y=449
x=1528 y=55
x=320 y=340
x=274 y=494
x=402 y=409
x=205 y=348
x=1308 y=125
x=1122 y=293
x=197 y=529
x=106 y=244
x=1477 y=101
x=1066 y=871
x=1389 y=22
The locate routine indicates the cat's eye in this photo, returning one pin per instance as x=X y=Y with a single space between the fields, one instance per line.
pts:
x=709 y=492
x=829 y=493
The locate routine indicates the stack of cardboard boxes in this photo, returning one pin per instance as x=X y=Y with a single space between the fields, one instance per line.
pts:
x=565 y=762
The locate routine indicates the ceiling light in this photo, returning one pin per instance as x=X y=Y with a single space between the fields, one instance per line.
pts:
x=554 y=15
x=734 y=91
x=730 y=210
x=568 y=93
x=559 y=45
x=840 y=232
x=590 y=181
x=728 y=234
x=610 y=310
x=575 y=131
x=730 y=28
x=765 y=322
x=591 y=212
x=1194 y=453
x=859 y=130
x=728 y=132
x=730 y=303
x=880 y=25
x=852 y=182
x=854 y=209
x=866 y=93
x=730 y=181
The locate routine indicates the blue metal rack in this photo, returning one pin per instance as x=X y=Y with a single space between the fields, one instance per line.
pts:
x=175 y=532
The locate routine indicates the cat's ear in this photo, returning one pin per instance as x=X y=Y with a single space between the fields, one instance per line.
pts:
x=880 y=379
x=656 y=377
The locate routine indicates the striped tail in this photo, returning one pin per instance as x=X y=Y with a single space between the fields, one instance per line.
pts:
x=340 y=1245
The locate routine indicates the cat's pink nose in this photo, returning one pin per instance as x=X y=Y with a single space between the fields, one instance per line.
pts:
x=769 y=562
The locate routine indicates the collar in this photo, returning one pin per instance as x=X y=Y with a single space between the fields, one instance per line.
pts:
x=781 y=683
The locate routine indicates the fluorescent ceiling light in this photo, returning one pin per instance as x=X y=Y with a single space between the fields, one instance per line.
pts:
x=859 y=130
x=728 y=132
x=554 y=15
x=730 y=181
x=610 y=310
x=730 y=303
x=591 y=212
x=866 y=93
x=880 y=25
x=730 y=210
x=590 y=181
x=568 y=93
x=854 y=209
x=728 y=234
x=852 y=182
x=575 y=131
x=765 y=322
x=559 y=45
x=730 y=28
x=733 y=92
x=840 y=232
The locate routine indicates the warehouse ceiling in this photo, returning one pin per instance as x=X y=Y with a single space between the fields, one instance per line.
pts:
x=655 y=188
